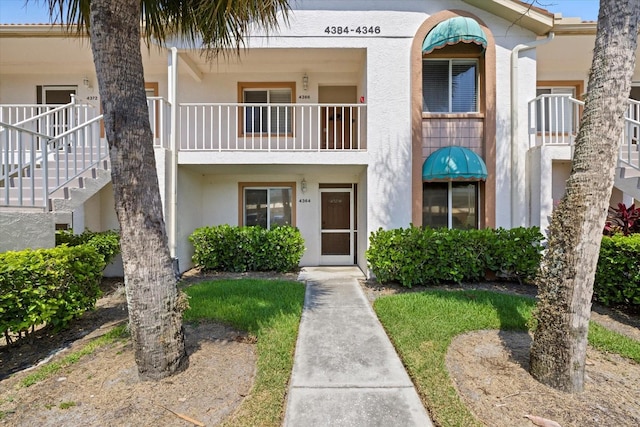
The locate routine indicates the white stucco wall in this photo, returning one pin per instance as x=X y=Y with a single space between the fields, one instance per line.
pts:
x=190 y=211
x=220 y=204
x=23 y=229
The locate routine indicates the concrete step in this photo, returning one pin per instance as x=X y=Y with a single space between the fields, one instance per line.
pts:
x=625 y=172
x=81 y=188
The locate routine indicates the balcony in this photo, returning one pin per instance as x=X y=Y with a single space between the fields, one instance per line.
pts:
x=554 y=121
x=271 y=127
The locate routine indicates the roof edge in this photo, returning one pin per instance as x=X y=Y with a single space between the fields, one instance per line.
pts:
x=535 y=19
x=38 y=30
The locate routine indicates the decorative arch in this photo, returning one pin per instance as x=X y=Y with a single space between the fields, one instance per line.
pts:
x=487 y=113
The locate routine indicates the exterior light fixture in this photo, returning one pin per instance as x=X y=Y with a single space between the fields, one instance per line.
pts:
x=303 y=185
x=87 y=83
x=305 y=82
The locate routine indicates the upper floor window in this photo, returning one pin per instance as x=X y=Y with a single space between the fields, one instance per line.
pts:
x=449 y=86
x=275 y=119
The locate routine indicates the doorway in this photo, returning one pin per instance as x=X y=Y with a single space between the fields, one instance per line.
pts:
x=338 y=122
x=56 y=95
x=337 y=226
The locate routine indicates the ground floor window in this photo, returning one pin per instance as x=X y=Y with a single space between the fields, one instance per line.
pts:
x=450 y=204
x=267 y=206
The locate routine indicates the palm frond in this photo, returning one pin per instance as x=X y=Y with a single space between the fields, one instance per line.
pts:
x=217 y=26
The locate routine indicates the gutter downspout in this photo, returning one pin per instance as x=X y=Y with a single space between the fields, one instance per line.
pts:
x=173 y=146
x=518 y=175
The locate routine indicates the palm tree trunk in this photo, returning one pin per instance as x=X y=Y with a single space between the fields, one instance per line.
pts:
x=155 y=320
x=567 y=271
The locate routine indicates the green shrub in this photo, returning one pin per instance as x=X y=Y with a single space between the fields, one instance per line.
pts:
x=107 y=243
x=239 y=249
x=515 y=252
x=47 y=286
x=414 y=256
x=618 y=273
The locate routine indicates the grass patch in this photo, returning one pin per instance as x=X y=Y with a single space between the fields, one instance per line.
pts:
x=422 y=325
x=607 y=341
x=270 y=310
x=53 y=368
x=67 y=405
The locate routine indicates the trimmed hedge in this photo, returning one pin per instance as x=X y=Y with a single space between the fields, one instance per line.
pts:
x=427 y=256
x=47 y=286
x=107 y=243
x=618 y=273
x=240 y=249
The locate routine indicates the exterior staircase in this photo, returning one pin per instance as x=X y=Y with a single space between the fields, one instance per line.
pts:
x=628 y=173
x=554 y=122
x=50 y=164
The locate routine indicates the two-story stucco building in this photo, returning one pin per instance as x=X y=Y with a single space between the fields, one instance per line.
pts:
x=355 y=115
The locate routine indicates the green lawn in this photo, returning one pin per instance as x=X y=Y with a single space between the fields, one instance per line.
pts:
x=422 y=325
x=270 y=310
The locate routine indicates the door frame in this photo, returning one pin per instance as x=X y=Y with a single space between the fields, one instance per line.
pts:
x=339 y=259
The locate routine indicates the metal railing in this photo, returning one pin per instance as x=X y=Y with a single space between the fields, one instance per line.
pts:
x=159 y=118
x=34 y=165
x=630 y=146
x=49 y=119
x=271 y=127
x=555 y=119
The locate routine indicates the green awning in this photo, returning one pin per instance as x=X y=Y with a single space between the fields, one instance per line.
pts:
x=452 y=31
x=454 y=164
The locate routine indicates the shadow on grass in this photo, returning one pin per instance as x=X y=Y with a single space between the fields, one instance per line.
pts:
x=246 y=304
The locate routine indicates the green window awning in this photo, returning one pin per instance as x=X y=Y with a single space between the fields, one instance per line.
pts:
x=452 y=31
x=454 y=164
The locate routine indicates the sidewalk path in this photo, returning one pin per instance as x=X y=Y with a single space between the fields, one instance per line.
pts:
x=346 y=372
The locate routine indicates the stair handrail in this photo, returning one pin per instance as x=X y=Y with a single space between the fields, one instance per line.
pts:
x=75 y=101
x=7 y=173
x=69 y=132
x=42 y=115
x=50 y=144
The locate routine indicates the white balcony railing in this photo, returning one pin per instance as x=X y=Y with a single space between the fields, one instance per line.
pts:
x=630 y=147
x=555 y=119
x=272 y=127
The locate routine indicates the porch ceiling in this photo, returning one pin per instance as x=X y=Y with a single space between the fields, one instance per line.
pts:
x=57 y=55
x=267 y=60
x=257 y=170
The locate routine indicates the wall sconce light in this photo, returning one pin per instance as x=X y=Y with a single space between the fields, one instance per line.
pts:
x=305 y=82
x=303 y=185
x=87 y=83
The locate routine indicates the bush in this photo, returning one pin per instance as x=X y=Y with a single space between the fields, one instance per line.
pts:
x=107 y=243
x=47 y=286
x=414 y=256
x=618 y=273
x=239 y=249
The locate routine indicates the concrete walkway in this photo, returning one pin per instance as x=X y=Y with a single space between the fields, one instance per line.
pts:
x=346 y=372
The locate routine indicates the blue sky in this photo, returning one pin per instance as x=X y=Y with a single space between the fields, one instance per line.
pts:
x=15 y=11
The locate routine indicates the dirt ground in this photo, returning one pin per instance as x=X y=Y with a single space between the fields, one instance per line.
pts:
x=102 y=389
